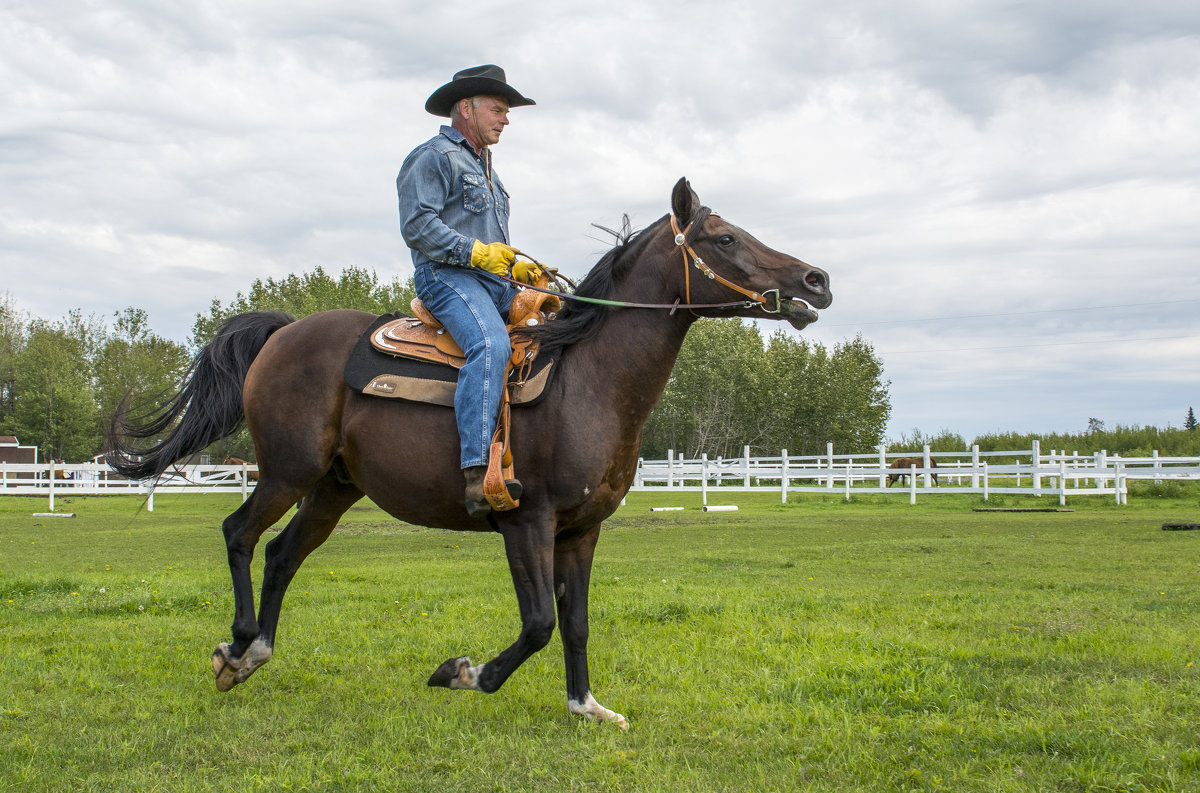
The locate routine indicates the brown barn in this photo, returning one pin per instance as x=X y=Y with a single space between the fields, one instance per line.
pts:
x=11 y=451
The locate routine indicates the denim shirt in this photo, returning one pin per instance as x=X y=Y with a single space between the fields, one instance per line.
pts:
x=445 y=201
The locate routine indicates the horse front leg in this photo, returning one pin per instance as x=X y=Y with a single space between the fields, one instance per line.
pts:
x=572 y=576
x=529 y=546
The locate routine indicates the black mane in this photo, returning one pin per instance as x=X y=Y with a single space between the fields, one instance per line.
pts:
x=577 y=320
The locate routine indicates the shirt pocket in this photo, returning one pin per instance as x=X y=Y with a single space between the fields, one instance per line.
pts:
x=476 y=195
x=502 y=201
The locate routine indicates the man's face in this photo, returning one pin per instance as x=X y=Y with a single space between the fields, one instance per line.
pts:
x=489 y=119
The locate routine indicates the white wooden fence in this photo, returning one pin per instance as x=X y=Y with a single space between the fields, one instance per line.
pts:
x=1025 y=472
x=97 y=479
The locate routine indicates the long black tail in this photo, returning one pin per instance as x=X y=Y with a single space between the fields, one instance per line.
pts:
x=207 y=407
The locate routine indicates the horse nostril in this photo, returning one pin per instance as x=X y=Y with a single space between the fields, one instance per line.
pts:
x=817 y=280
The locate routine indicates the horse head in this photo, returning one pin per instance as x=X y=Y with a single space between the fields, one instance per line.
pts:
x=722 y=260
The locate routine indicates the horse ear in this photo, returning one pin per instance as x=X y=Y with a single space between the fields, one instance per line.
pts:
x=684 y=201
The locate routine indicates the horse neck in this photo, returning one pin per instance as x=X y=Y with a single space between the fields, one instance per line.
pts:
x=630 y=359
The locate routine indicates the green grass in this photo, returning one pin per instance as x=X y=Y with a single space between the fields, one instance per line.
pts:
x=817 y=646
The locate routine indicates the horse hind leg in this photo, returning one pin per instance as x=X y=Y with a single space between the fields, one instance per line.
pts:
x=307 y=530
x=242 y=530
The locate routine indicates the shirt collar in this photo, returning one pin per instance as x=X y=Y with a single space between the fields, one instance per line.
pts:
x=459 y=138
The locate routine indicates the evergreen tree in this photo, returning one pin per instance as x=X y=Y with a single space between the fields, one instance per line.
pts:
x=1189 y=423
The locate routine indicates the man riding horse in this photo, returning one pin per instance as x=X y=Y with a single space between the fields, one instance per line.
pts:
x=454 y=218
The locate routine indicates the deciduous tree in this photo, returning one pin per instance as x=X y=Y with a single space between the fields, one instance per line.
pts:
x=54 y=406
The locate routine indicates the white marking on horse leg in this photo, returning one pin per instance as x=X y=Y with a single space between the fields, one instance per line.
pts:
x=468 y=676
x=592 y=710
x=230 y=671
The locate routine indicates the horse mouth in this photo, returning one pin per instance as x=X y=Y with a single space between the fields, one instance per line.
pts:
x=797 y=312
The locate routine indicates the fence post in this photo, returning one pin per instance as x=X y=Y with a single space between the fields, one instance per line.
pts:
x=51 y=488
x=670 y=469
x=245 y=476
x=1062 y=483
x=746 y=457
x=928 y=474
x=985 y=481
x=829 y=477
x=783 y=477
x=882 y=465
x=704 y=479
x=975 y=466
x=849 y=469
x=1036 y=456
x=912 y=489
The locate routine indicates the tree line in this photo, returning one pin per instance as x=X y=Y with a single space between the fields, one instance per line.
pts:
x=61 y=381
x=1135 y=440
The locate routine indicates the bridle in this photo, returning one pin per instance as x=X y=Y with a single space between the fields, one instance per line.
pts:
x=689 y=253
x=690 y=259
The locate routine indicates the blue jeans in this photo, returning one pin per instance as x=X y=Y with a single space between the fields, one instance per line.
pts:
x=471 y=303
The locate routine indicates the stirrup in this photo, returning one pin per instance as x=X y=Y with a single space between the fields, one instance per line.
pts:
x=501 y=489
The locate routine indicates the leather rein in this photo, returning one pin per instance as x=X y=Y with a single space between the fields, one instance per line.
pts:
x=763 y=300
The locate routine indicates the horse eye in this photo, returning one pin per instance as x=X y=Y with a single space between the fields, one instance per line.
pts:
x=725 y=240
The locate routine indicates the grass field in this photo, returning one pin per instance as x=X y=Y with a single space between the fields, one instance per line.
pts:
x=817 y=646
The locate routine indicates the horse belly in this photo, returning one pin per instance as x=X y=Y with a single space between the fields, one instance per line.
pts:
x=404 y=457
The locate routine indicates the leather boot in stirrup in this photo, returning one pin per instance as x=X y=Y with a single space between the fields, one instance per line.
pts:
x=476 y=502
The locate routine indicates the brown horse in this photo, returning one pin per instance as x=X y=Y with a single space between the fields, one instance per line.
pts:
x=251 y=476
x=906 y=463
x=576 y=450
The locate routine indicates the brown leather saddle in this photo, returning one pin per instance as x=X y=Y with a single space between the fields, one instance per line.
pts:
x=415 y=359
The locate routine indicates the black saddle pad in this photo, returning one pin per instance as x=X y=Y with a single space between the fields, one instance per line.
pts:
x=374 y=373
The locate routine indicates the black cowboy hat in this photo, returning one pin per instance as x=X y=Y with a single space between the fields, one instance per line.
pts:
x=487 y=80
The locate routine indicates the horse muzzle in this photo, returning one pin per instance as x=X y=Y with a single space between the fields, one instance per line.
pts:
x=800 y=310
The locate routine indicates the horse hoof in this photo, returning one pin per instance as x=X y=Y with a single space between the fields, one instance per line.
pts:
x=223 y=669
x=230 y=671
x=456 y=673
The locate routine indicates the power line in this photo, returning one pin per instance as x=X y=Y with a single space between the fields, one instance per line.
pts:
x=1047 y=344
x=1006 y=314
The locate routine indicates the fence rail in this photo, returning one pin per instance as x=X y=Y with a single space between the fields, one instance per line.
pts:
x=1025 y=472
x=97 y=479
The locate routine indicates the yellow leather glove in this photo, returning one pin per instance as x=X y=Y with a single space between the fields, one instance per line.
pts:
x=495 y=257
x=527 y=272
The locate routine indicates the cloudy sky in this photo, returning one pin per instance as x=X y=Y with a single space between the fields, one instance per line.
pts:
x=1006 y=194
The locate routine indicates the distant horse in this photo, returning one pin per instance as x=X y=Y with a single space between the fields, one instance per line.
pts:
x=576 y=450
x=251 y=475
x=60 y=473
x=906 y=463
